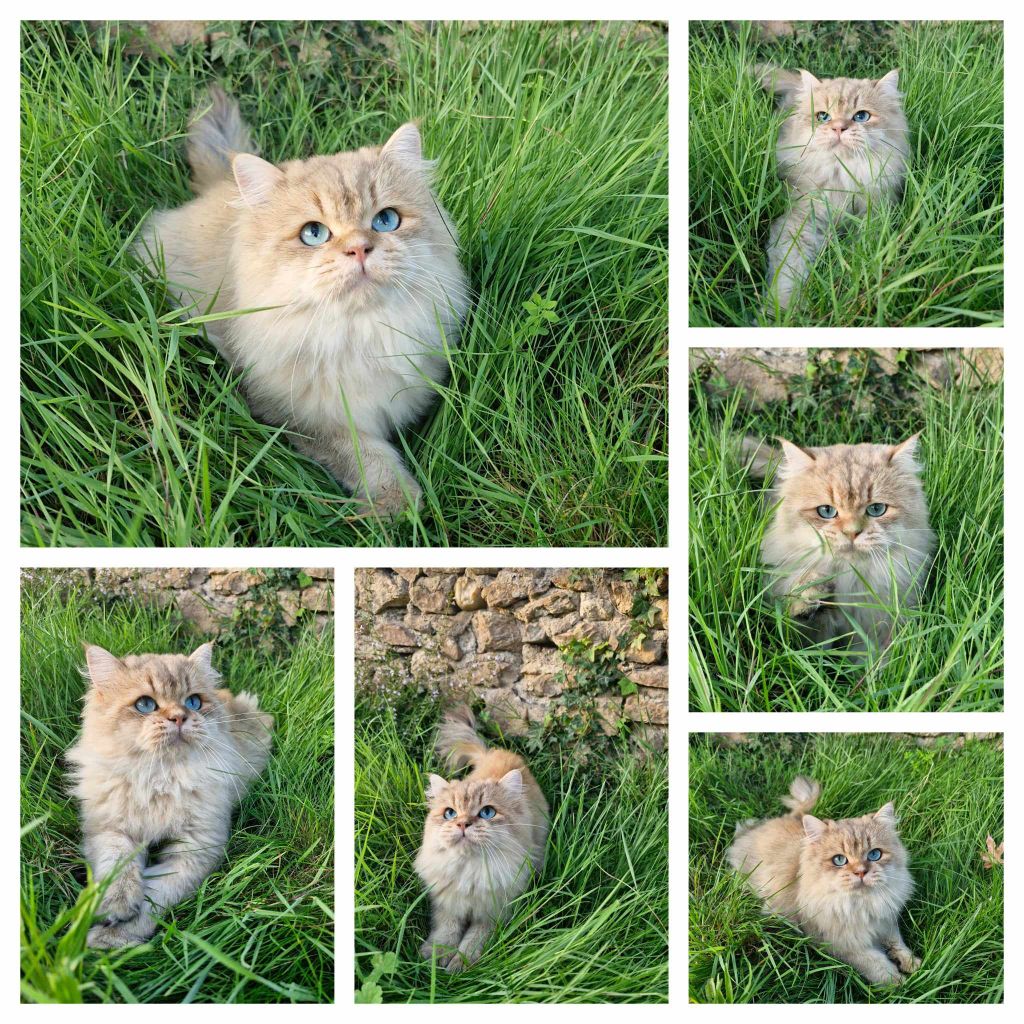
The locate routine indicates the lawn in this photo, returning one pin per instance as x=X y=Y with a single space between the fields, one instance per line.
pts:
x=948 y=800
x=593 y=929
x=261 y=927
x=935 y=259
x=553 y=161
x=948 y=654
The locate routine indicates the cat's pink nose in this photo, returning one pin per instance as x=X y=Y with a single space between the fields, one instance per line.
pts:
x=359 y=251
x=178 y=717
x=853 y=532
x=839 y=128
x=861 y=871
x=462 y=825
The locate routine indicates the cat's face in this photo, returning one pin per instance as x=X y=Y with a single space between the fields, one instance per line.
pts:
x=355 y=228
x=855 y=854
x=161 y=704
x=845 y=116
x=471 y=816
x=858 y=498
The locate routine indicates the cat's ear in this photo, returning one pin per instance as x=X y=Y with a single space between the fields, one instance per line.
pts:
x=255 y=178
x=890 y=83
x=102 y=665
x=202 y=656
x=513 y=782
x=794 y=458
x=807 y=80
x=905 y=453
x=886 y=814
x=436 y=788
x=405 y=146
x=814 y=828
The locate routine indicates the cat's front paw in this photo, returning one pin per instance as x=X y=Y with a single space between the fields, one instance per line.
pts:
x=123 y=933
x=905 y=960
x=887 y=976
x=394 y=498
x=122 y=900
x=459 y=962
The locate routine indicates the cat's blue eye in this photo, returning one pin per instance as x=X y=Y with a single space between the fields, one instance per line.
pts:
x=861 y=116
x=826 y=512
x=875 y=854
x=839 y=860
x=386 y=220
x=876 y=509
x=449 y=813
x=487 y=812
x=145 y=705
x=314 y=233
x=823 y=116
x=193 y=702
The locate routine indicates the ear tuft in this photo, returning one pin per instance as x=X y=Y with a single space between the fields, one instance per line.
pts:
x=890 y=83
x=887 y=814
x=202 y=656
x=513 y=782
x=807 y=80
x=256 y=179
x=794 y=458
x=405 y=146
x=814 y=828
x=102 y=665
x=436 y=787
x=905 y=453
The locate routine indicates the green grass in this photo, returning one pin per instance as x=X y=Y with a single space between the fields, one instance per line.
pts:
x=948 y=654
x=948 y=800
x=593 y=929
x=552 y=143
x=261 y=927
x=935 y=260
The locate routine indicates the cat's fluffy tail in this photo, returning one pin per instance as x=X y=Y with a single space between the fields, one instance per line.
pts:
x=457 y=739
x=803 y=795
x=216 y=135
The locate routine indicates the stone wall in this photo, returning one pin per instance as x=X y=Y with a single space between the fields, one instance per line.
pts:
x=768 y=374
x=211 y=599
x=500 y=635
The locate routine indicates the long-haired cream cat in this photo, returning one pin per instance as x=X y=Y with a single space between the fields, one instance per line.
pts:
x=483 y=841
x=164 y=756
x=843 y=147
x=849 y=537
x=842 y=882
x=360 y=264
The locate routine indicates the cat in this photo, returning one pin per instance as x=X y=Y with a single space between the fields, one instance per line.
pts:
x=849 y=532
x=842 y=148
x=360 y=264
x=484 y=839
x=163 y=758
x=842 y=882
